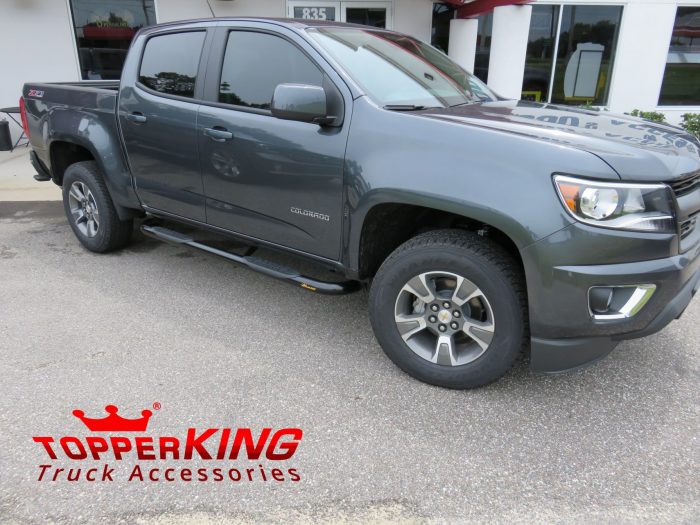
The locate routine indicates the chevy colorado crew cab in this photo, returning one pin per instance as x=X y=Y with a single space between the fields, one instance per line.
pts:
x=485 y=227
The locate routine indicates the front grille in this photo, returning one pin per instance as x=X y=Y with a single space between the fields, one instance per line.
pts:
x=685 y=185
x=688 y=225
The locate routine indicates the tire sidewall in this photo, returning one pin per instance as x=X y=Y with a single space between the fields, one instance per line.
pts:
x=498 y=289
x=80 y=173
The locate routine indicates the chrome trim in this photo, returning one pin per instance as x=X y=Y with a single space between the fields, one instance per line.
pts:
x=634 y=304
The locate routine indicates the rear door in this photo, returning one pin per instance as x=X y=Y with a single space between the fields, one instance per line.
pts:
x=158 y=120
x=276 y=180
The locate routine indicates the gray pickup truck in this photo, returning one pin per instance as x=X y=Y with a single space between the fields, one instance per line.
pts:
x=485 y=227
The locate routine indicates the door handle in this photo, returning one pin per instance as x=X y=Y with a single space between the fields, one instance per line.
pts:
x=218 y=134
x=137 y=117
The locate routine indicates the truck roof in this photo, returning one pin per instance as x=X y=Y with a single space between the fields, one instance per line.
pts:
x=296 y=23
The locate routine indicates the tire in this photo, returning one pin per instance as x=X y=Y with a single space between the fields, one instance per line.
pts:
x=483 y=336
x=90 y=210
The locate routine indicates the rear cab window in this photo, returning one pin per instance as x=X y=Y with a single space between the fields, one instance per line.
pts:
x=170 y=63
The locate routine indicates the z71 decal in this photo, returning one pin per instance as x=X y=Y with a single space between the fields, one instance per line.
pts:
x=36 y=93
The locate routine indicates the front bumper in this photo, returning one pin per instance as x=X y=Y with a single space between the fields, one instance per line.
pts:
x=565 y=336
x=562 y=355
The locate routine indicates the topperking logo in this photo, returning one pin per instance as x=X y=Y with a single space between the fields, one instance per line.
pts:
x=211 y=454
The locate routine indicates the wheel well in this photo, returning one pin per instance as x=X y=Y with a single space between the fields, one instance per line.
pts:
x=63 y=154
x=387 y=226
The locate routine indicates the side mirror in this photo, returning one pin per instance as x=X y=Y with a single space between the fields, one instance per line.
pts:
x=301 y=102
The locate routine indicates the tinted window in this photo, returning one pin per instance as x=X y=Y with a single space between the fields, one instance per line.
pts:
x=585 y=38
x=103 y=32
x=539 y=58
x=681 y=84
x=585 y=55
x=170 y=63
x=256 y=63
x=483 y=46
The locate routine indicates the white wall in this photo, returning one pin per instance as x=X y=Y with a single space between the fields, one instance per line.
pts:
x=462 y=45
x=36 y=45
x=641 y=57
x=169 y=10
x=414 y=17
x=511 y=25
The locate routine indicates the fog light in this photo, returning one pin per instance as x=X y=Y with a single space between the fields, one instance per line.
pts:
x=599 y=299
x=618 y=302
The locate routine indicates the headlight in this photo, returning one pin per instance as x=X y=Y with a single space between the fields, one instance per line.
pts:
x=637 y=207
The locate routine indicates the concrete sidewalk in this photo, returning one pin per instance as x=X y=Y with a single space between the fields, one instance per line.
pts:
x=17 y=182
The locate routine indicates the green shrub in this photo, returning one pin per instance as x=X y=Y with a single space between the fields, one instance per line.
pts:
x=691 y=122
x=655 y=116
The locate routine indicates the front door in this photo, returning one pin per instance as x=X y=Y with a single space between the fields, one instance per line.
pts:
x=158 y=121
x=276 y=180
x=370 y=13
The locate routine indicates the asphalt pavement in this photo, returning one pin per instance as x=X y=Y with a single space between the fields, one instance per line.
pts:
x=215 y=345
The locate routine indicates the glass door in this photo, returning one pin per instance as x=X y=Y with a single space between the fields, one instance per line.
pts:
x=373 y=14
x=369 y=13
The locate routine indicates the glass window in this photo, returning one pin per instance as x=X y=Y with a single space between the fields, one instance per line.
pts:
x=681 y=84
x=584 y=39
x=397 y=70
x=368 y=16
x=103 y=32
x=170 y=63
x=483 y=46
x=540 y=52
x=256 y=63
x=440 y=31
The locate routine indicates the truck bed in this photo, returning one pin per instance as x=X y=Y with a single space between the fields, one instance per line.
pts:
x=83 y=113
x=100 y=85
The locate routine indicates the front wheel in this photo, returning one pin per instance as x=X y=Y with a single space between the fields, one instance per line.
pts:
x=449 y=308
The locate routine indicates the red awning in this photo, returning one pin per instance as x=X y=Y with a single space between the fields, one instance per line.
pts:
x=470 y=9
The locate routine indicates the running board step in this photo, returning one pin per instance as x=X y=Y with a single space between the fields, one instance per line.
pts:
x=270 y=268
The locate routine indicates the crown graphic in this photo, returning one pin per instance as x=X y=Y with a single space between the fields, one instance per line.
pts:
x=114 y=422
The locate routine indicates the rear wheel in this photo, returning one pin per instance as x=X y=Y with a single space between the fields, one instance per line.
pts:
x=448 y=307
x=90 y=210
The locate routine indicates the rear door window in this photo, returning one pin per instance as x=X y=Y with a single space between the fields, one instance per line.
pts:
x=256 y=63
x=170 y=63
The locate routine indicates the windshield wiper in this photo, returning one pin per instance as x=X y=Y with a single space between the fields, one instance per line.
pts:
x=404 y=107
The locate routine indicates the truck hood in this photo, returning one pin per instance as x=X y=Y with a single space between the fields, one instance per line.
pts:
x=636 y=149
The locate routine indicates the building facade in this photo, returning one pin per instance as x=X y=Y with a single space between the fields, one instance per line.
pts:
x=620 y=55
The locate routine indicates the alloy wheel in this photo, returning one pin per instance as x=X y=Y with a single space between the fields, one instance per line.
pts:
x=444 y=318
x=83 y=208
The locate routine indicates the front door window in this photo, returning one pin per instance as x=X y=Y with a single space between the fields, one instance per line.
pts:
x=369 y=13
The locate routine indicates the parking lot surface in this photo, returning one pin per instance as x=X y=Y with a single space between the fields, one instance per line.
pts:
x=218 y=345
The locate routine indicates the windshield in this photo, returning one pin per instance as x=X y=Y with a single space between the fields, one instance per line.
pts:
x=396 y=70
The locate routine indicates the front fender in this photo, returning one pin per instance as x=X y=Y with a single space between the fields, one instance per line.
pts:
x=498 y=178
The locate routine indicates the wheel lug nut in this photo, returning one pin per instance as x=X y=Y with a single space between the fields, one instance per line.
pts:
x=434 y=308
x=442 y=328
x=446 y=304
x=456 y=313
x=454 y=325
x=432 y=318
